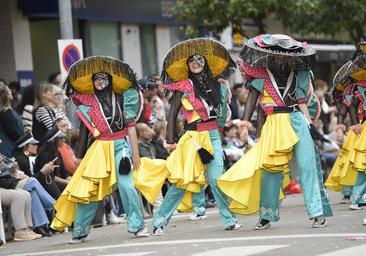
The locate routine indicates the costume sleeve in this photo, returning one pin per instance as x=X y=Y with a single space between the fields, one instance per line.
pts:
x=224 y=104
x=302 y=86
x=353 y=109
x=251 y=103
x=131 y=106
x=257 y=84
x=175 y=105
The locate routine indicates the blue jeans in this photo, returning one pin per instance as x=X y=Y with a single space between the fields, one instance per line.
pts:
x=41 y=202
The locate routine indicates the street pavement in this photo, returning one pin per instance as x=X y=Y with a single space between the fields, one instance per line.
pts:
x=291 y=236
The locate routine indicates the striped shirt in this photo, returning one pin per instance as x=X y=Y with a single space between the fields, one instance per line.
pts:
x=27 y=117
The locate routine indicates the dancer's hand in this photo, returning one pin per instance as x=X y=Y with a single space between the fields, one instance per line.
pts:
x=136 y=161
x=244 y=134
x=169 y=147
x=357 y=128
x=340 y=136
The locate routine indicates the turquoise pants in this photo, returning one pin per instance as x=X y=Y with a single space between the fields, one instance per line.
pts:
x=347 y=191
x=130 y=199
x=308 y=176
x=359 y=189
x=199 y=202
x=214 y=170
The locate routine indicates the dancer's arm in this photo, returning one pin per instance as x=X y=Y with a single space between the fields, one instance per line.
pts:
x=83 y=141
x=248 y=112
x=134 y=147
x=261 y=119
x=175 y=105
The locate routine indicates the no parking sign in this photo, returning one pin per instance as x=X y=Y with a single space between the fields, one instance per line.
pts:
x=69 y=52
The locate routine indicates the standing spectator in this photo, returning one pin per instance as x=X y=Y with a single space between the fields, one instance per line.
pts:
x=59 y=106
x=43 y=114
x=11 y=127
x=26 y=107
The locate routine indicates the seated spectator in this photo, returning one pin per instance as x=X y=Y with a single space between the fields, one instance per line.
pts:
x=69 y=159
x=144 y=136
x=25 y=155
x=11 y=127
x=20 y=212
x=233 y=146
x=41 y=201
x=26 y=107
x=48 y=153
x=159 y=129
x=14 y=87
x=43 y=113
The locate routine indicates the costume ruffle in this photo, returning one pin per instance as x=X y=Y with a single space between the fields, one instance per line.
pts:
x=183 y=167
x=272 y=152
x=342 y=173
x=93 y=180
x=358 y=155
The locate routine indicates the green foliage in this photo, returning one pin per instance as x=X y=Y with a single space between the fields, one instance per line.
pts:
x=328 y=17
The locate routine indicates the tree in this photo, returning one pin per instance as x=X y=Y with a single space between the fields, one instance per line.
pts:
x=328 y=17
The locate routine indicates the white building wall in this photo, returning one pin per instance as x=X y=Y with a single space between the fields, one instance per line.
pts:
x=21 y=39
x=163 y=43
x=131 y=49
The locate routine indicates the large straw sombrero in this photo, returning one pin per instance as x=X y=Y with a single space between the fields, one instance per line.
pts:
x=175 y=62
x=266 y=50
x=80 y=74
x=353 y=70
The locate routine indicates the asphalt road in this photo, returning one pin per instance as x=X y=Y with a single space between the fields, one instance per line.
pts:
x=292 y=236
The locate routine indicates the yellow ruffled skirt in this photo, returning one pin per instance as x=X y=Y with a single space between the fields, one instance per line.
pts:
x=183 y=167
x=94 y=179
x=358 y=155
x=343 y=173
x=272 y=152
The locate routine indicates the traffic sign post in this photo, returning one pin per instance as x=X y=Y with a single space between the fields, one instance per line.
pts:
x=69 y=52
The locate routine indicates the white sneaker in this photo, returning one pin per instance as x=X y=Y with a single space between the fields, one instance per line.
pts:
x=355 y=207
x=197 y=217
x=158 y=231
x=143 y=232
x=364 y=221
x=77 y=240
x=234 y=226
x=113 y=219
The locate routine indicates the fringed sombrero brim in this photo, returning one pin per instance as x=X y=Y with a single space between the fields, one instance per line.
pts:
x=80 y=74
x=357 y=69
x=257 y=56
x=175 y=63
x=341 y=79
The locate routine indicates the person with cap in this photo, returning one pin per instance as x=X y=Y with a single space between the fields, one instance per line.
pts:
x=191 y=72
x=49 y=167
x=349 y=86
x=277 y=71
x=108 y=103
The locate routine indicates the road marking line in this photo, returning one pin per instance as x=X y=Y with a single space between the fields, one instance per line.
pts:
x=355 y=250
x=195 y=241
x=241 y=250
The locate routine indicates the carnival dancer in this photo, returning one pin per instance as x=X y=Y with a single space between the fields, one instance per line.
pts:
x=342 y=177
x=108 y=102
x=277 y=69
x=354 y=74
x=190 y=71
